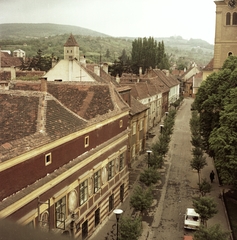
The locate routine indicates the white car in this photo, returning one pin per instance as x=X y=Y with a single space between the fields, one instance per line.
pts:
x=192 y=219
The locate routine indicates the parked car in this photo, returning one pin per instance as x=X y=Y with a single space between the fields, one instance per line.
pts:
x=191 y=219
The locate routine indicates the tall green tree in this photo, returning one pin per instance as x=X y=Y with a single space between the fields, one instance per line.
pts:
x=210 y=98
x=148 y=53
x=198 y=162
x=130 y=228
x=141 y=199
x=205 y=207
x=149 y=176
x=223 y=141
x=212 y=233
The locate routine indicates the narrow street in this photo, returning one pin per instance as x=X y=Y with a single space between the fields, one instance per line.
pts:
x=180 y=186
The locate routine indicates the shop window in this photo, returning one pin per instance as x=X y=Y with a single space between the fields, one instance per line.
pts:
x=84 y=230
x=111 y=202
x=97 y=217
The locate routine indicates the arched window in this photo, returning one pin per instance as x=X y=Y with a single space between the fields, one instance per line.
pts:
x=234 y=18
x=228 y=18
x=230 y=54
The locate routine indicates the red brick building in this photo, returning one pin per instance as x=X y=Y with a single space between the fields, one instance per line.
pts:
x=63 y=148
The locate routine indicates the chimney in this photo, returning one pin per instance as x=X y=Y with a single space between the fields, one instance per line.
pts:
x=97 y=70
x=106 y=67
x=83 y=60
x=140 y=71
x=13 y=73
x=54 y=62
x=44 y=87
x=117 y=78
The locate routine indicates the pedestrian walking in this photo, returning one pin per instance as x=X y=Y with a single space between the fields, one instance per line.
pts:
x=212 y=176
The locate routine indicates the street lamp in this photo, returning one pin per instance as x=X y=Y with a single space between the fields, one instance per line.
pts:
x=117 y=213
x=149 y=157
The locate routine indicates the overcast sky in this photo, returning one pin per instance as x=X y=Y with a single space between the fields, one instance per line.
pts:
x=119 y=18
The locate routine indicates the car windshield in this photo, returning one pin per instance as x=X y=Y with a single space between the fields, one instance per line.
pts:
x=191 y=218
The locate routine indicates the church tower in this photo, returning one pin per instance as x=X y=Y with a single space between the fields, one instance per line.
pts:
x=226 y=31
x=71 y=49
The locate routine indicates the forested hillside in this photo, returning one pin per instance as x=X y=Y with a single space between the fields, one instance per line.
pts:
x=96 y=46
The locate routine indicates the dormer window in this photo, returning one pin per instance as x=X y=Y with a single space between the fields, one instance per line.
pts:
x=86 y=141
x=48 y=159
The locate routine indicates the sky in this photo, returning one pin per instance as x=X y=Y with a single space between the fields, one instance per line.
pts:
x=120 y=18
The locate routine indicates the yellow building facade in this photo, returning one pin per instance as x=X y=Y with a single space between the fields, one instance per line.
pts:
x=225 y=32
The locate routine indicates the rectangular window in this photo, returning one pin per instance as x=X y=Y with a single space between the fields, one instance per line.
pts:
x=48 y=159
x=110 y=169
x=86 y=141
x=83 y=192
x=111 y=202
x=140 y=145
x=97 y=217
x=141 y=124
x=133 y=151
x=84 y=230
x=134 y=126
x=60 y=213
x=121 y=161
x=122 y=192
x=97 y=181
x=121 y=123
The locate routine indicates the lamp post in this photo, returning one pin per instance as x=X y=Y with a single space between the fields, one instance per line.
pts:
x=149 y=157
x=117 y=213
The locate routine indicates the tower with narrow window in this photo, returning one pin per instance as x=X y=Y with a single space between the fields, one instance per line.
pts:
x=71 y=49
x=226 y=31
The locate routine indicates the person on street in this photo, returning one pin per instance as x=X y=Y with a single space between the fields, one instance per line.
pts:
x=212 y=176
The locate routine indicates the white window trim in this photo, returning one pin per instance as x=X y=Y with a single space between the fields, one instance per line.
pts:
x=48 y=156
x=86 y=143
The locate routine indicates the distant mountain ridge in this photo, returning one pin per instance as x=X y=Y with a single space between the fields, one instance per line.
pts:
x=38 y=30
x=50 y=38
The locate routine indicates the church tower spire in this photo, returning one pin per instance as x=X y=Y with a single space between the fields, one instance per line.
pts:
x=71 y=49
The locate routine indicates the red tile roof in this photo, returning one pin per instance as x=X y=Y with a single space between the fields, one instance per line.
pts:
x=209 y=66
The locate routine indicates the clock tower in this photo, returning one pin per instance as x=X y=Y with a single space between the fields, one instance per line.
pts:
x=226 y=32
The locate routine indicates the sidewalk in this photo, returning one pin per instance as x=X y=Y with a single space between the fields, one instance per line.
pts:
x=107 y=230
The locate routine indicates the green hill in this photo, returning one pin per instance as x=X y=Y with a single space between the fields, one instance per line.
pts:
x=50 y=38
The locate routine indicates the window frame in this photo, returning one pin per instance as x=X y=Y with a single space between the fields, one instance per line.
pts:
x=86 y=141
x=97 y=180
x=60 y=215
x=134 y=127
x=48 y=159
x=234 y=18
x=111 y=202
x=83 y=191
x=111 y=169
x=97 y=217
x=121 y=161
